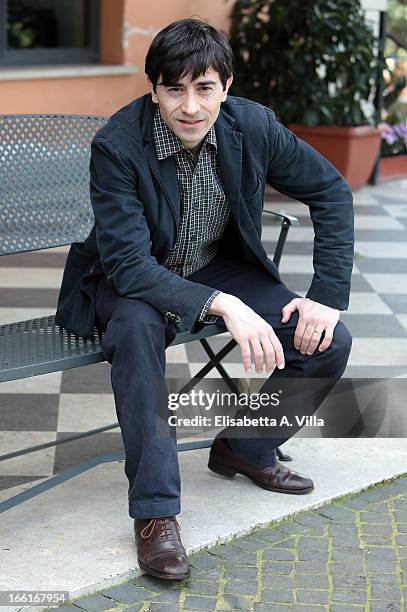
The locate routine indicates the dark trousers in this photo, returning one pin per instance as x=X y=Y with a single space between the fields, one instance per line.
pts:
x=134 y=343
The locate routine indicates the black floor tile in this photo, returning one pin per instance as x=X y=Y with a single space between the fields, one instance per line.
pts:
x=396 y=301
x=369 y=209
x=94 y=378
x=72 y=453
x=290 y=248
x=6 y=482
x=381 y=266
x=28 y=412
x=382 y=235
x=373 y=326
x=28 y=260
x=29 y=298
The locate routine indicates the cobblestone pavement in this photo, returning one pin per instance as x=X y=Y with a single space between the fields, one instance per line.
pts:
x=346 y=556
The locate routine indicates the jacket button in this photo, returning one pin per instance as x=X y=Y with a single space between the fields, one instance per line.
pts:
x=92 y=268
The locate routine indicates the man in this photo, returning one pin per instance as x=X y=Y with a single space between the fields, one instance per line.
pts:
x=177 y=186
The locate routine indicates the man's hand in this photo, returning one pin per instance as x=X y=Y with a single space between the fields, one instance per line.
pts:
x=250 y=331
x=314 y=318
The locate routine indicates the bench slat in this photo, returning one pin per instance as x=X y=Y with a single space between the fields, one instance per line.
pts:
x=38 y=346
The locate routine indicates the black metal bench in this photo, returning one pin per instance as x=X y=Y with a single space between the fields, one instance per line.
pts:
x=44 y=203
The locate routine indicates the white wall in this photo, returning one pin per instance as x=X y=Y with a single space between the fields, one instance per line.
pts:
x=374 y=5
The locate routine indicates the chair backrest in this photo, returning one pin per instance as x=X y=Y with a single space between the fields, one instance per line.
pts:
x=44 y=184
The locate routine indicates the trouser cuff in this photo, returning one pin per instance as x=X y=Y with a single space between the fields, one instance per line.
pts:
x=154 y=509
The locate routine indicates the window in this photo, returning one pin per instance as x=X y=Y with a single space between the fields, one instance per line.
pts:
x=34 y=32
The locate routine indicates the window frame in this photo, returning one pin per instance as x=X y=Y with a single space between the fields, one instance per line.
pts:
x=51 y=56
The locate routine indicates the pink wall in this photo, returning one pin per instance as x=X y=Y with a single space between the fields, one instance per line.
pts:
x=127 y=29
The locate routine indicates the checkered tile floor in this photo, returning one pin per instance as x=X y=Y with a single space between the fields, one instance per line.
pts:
x=55 y=406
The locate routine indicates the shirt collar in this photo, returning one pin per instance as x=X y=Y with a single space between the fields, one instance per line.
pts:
x=167 y=143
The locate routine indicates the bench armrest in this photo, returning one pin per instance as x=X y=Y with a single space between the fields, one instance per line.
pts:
x=289 y=218
x=286 y=222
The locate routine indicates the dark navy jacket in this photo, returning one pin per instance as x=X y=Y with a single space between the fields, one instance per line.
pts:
x=136 y=204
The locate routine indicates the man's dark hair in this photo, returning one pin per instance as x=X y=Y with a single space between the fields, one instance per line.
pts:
x=188 y=46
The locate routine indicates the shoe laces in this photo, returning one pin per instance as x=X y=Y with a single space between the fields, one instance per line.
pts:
x=164 y=525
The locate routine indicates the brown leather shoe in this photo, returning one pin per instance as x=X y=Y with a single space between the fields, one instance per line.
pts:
x=276 y=478
x=159 y=548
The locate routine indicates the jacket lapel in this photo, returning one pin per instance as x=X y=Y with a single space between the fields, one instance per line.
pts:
x=164 y=170
x=229 y=143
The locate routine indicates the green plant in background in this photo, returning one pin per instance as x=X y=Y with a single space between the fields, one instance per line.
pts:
x=397 y=28
x=396 y=57
x=394 y=126
x=312 y=61
x=394 y=86
x=20 y=36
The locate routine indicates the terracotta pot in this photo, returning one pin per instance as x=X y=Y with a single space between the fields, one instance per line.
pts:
x=352 y=150
x=394 y=167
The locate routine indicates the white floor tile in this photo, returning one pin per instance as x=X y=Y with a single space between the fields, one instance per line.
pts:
x=377 y=222
x=35 y=278
x=388 y=283
x=86 y=411
x=301 y=264
x=27 y=465
x=396 y=210
x=60 y=249
x=176 y=354
x=46 y=383
x=364 y=197
x=391 y=188
x=385 y=250
x=378 y=352
x=14 y=315
x=296 y=209
x=367 y=303
x=296 y=234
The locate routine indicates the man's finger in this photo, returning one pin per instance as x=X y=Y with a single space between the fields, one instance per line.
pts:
x=269 y=353
x=329 y=332
x=315 y=338
x=299 y=332
x=246 y=355
x=308 y=336
x=278 y=350
x=257 y=354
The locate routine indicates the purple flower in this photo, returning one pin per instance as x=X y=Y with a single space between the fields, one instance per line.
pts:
x=389 y=137
x=400 y=129
x=394 y=136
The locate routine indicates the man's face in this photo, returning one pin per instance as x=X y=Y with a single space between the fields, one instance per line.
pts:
x=190 y=108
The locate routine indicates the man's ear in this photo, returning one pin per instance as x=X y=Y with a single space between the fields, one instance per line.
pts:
x=153 y=94
x=228 y=84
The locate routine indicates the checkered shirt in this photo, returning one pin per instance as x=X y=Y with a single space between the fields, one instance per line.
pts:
x=204 y=208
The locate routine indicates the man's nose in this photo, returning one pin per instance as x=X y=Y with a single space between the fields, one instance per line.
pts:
x=190 y=105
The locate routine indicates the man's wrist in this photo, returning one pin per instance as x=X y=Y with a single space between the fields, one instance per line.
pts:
x=221 y=303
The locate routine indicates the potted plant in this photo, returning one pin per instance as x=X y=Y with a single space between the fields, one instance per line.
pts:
x=315 y=64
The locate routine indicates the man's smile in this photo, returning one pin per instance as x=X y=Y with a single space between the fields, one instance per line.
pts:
x=190 y=123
